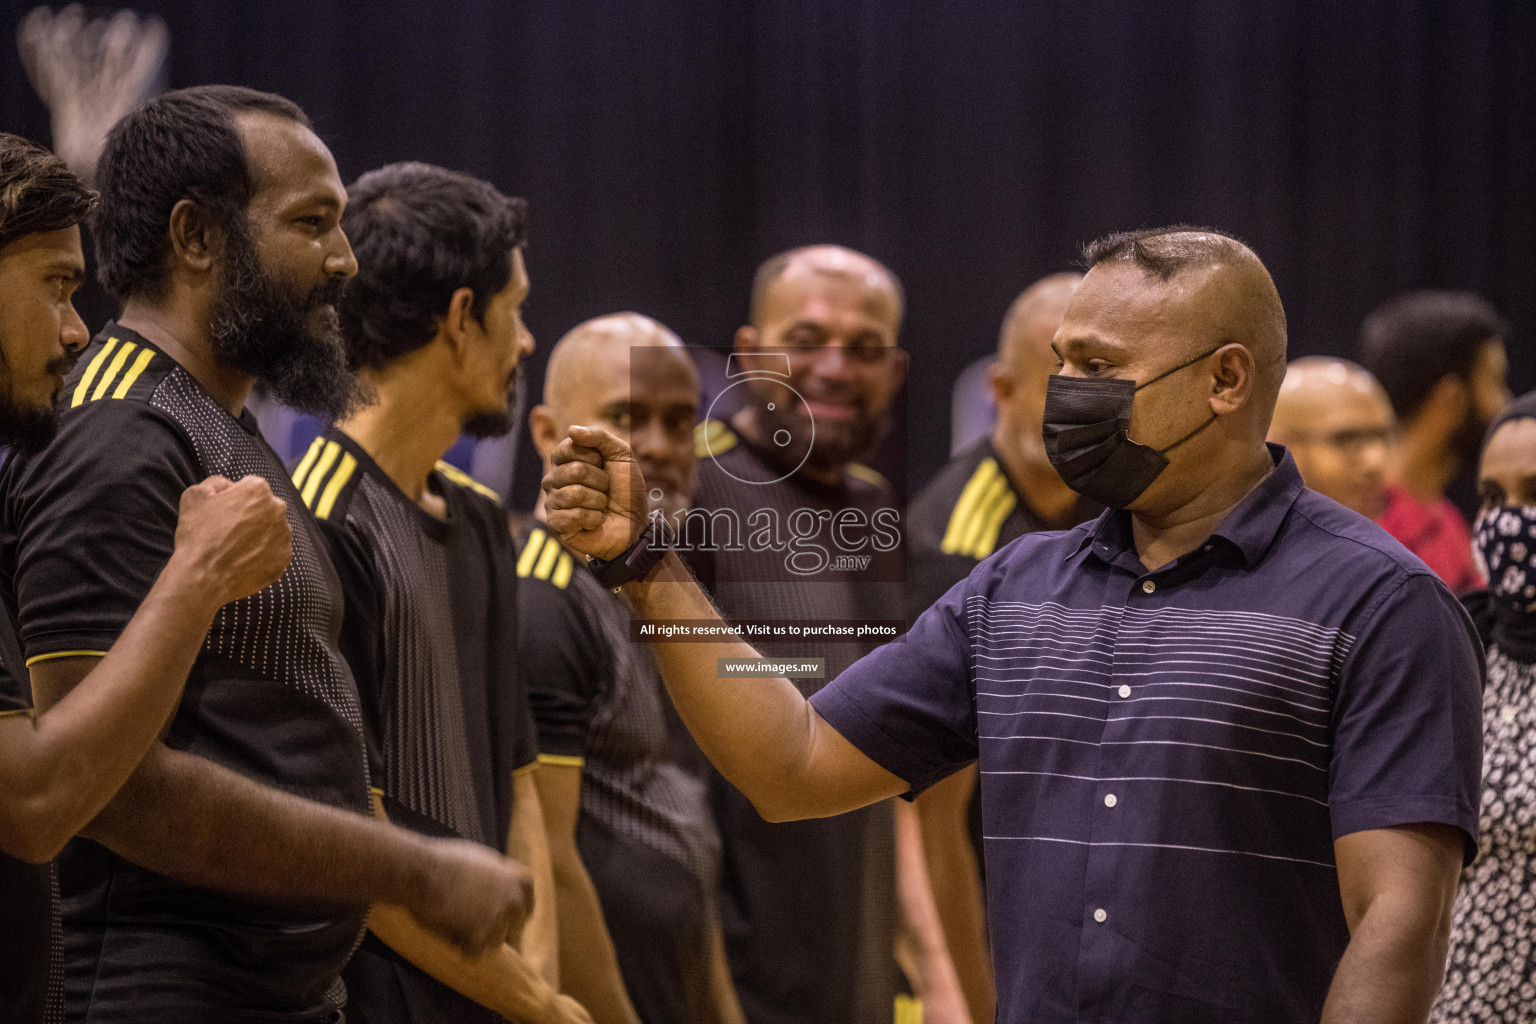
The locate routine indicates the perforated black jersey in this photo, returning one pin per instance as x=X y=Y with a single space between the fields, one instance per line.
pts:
x=85 y=528
x=807 y=907
x=31 y=939
x=645 y=831
x=430 y=632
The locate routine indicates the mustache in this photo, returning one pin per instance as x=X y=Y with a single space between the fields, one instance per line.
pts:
x=63 y=364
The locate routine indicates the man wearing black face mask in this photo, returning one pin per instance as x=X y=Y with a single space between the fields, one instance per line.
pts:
x=1228 y=733
x=1440 y=357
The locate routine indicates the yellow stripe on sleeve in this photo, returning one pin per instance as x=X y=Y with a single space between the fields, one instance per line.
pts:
x=14 y=712
x=908 y=1010
x=996 y=491
x=333 y=489
x=51 y=655
x=112 y=369
x=463 y=479
x=132 y=375
x=986 y=542
x=546 y=562
x=562 y=574
x=315 y=447
x=525 y=561
x=965 y=507
x=91 y=371
x=562 y=760
x=312 y=485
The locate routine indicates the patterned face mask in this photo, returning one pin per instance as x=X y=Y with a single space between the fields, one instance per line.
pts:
x=1506 y=546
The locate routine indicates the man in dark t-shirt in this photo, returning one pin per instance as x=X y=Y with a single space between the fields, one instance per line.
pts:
x=798 y=535
x=611 y=774
x=989 y=494
x=58 y=769
x=433 y=322
x=229 y=878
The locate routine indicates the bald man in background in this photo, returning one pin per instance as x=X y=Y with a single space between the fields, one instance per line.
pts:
x=1000 y=488
x=811 y=910
x=1229 y=733
x=639 y=928
x=1338 y=423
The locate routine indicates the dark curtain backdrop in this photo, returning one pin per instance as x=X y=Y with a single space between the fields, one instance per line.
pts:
x=667 y=147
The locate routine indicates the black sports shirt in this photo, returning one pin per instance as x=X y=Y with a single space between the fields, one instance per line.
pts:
x=808 y=908
x=85 y=528
x=645 y=830
x=430 y=631
x=31 y=939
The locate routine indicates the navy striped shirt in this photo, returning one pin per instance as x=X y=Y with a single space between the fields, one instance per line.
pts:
x=1167 y=757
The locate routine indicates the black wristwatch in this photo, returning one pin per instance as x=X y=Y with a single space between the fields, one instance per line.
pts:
x=638 y=559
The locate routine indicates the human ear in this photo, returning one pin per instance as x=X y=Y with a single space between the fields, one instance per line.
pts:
x=195 y=241
x=1233 y=379
x=546 y=435
x=459 y=322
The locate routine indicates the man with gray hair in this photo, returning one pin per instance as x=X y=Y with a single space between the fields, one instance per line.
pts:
x=1228 y=732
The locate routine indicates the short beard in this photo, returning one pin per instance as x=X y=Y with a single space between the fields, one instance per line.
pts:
x=834 y=446
x=265 y=329
x=500 y=422
x=28 y=429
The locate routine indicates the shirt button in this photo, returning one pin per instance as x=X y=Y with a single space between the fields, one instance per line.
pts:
x=1147 y=586
x=1125 y=691
x=1110 y=800
x=1100 y=916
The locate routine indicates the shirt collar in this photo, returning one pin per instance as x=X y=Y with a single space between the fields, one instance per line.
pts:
x=1249 y=529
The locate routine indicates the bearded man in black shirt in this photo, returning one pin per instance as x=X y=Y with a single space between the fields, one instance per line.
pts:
x=219 y=230
x=58 y=769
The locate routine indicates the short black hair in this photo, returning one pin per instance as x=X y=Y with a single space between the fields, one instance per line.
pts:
x=420 y=233
x=1163 y=252
x=37 y=191
x=181 y=145
x=1414 y=341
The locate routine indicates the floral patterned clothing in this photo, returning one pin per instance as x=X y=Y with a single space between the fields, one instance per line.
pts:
x=1492 y=972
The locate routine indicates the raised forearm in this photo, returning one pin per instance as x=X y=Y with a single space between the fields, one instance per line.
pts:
x=190 y=819
x=58 y=772
x=759 y=732
x=1392 y=969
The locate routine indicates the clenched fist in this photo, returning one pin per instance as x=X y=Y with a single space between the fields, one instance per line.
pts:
x=232 y=537
x=473 y=897
x=594 y=495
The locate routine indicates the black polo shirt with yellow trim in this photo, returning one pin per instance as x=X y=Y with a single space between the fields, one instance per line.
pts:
x=86 y=526
x=430 y=633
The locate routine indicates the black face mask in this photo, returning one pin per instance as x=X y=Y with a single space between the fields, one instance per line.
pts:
x=1086 y=420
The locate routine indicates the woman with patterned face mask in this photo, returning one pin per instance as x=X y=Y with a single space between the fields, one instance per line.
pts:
x=1492 y=972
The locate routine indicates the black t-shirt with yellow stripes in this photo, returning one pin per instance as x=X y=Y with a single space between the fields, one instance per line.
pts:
x=967 y=511
x=430 y=632
x=645 y=830
x=86 y=526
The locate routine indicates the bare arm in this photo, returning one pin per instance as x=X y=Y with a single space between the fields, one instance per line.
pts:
x=943 y=812
x=589 y=968
x=500 y=979
x=1397 y=885
x=188 y=818
x=528 y=843
x=921 y=948
x=724 y=1003
x=760 y=733
x=57 y=770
